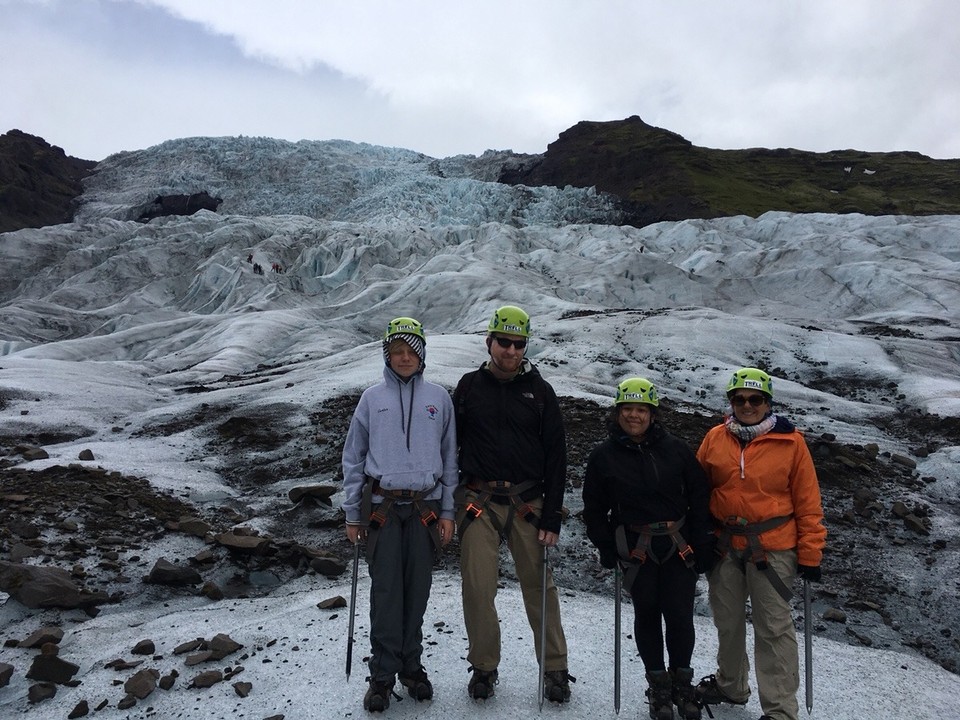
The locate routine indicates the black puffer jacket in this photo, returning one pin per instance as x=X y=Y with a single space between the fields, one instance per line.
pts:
x=658 y=480
x=513 y=431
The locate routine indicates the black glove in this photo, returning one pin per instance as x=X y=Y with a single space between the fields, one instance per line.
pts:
x=705 y=555
x=608 y=558
x=703 y=562
x=809 y=572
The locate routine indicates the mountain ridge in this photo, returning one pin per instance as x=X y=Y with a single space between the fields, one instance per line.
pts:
x=661 y=176
x=650 y=174
x=39 y=182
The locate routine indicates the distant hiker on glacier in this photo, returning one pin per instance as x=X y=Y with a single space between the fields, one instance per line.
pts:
x=765 y=501
x=645 y=506
x=513 y=463
x=399 y=477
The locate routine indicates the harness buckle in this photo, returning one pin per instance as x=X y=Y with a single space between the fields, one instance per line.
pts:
x=474 y=510
x=377 y=519
x=525 y=511
x=428 y=517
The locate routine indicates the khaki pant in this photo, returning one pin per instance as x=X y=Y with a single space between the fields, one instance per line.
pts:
x=479 y=561
x=775 y=638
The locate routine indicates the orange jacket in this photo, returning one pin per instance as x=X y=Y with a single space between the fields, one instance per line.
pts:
x=771 y=476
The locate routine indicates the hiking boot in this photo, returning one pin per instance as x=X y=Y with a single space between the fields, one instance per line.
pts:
x=709 y=693
x=417 y=684
x=481 y=683
x=684 y=696
x=660 y=695
x=556 y=685
x=378 y=694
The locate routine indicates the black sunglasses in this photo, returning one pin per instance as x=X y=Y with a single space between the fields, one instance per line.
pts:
x=755 y=400
x=507 y=342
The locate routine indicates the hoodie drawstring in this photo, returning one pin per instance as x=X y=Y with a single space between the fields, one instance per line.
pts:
x=405 y=427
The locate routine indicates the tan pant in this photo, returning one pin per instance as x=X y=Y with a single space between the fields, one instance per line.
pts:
x=775 y=638
x=479 y=562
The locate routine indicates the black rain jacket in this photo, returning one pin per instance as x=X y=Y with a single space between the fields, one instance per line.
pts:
x=637 y=484
x=513 y=431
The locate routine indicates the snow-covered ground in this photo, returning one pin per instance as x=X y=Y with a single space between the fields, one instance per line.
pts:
x=104 y=321
x=294 y=656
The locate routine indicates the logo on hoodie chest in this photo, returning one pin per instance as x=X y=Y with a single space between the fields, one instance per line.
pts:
x=432 y=412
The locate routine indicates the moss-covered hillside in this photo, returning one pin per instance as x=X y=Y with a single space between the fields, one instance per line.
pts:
x=659 y=175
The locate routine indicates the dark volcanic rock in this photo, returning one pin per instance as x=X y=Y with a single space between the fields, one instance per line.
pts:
x=41 y=637
x=6 y=672
x=40 y=692
x=51 y=668
x=207 y=678
x=179 y=205
x=142 y=683
x=45 y=587
x=39 y=183
x=165 y=572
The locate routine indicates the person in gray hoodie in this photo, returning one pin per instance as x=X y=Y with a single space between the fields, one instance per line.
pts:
x=399 y=475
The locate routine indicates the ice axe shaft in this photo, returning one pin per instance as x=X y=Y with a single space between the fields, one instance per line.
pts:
x=543 y=628
x=353 y=604
x=618 y=588
x=807 y=645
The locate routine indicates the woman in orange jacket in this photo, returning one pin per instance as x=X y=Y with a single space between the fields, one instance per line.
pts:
x=765 y=501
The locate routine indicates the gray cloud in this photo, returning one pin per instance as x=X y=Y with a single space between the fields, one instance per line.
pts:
x=100 y=76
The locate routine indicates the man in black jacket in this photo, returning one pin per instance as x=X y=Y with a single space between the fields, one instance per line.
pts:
x=513 y=464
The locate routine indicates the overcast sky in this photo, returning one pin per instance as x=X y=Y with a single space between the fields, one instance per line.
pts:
x=100 y=76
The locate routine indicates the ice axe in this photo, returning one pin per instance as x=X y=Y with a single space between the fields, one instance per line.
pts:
x=618 y=588
x=353 y=604
x=807 y=645
x=543 y=628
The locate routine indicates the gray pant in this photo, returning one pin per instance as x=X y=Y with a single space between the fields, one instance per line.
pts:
x=401 y=574
x=775 y=637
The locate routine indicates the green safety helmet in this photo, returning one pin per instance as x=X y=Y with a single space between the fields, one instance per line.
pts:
x=637 y=390
x=411 y=332
x=404 y=326
x=510 y=320
x=750 y=378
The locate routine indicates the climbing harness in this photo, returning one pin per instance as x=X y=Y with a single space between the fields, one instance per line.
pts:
x=741 y=527
x=379 y=514
x=485 y=491
x=634 y=557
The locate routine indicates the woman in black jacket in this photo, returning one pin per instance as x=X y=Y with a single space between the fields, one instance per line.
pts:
x=645 y=505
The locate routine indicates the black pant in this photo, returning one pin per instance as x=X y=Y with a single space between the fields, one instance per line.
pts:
x=664 y=592
x=400 y=571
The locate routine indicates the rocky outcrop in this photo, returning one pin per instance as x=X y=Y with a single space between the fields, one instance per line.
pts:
x=659 y=175
x=38 y=182
x=179 y=205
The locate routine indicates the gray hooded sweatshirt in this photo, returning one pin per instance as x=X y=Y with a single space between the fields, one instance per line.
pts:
x=402 y=434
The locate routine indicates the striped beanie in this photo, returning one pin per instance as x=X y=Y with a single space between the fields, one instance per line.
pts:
x=414 y=341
